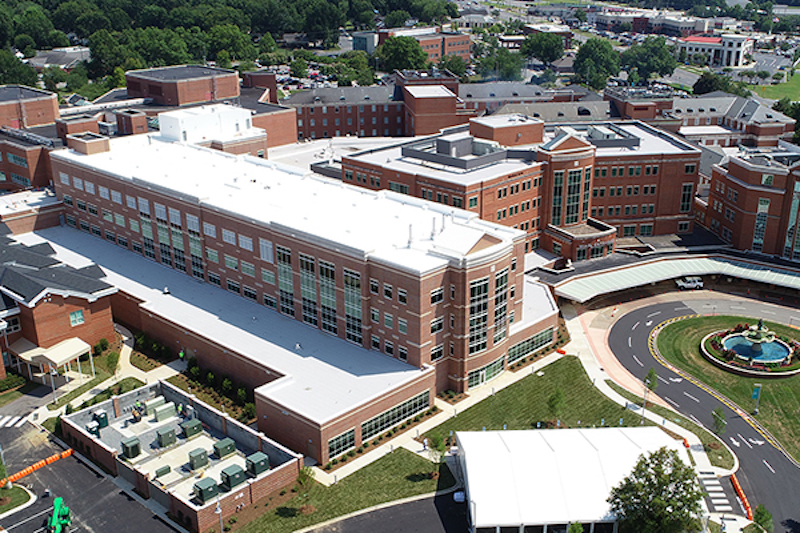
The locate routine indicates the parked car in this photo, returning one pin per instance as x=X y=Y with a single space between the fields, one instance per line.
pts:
x=689 y=282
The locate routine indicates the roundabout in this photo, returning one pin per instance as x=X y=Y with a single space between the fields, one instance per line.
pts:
x=694 y=387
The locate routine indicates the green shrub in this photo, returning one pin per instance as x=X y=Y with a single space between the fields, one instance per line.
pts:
x=103 y=344
x=192 y=363
x=211 y=379
x=351 y=453
x=97 y=350
x=227 y=386
x=335 y=461
x=12 y=381
x=241 y=396
x=250 y=410
x=194 y=373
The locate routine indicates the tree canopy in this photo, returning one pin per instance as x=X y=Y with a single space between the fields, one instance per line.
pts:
x=501 y=64
x=14 y=71
x=653 y=56
x=595 y=62
x=661 y=495
x=454 y=64
x=399 y=53
x=710 y=82
x=546 y=47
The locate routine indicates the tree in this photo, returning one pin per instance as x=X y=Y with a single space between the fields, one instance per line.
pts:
x=580 y=14
x=35 y=23
x=595 y=62
x=710 y=82
x=25 y=44
x=396 y=19
x=52 y=76
x=762 y=74
x=229 y=37
x=299 y=68
x=436 y=448
x=682 y=56
x=546 y=47
x=557 y=402
x=502 y=64
x=266 y=45
x=626 y=27
x=763 y=518
x=720 y=424
x=653 y=56
x=399 y=53
x=223 y=59
x=13 y=71
x=575 y=527
x=661 y=495
x=454 y=64
x=651 y=380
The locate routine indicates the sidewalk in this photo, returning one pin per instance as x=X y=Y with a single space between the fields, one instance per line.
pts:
x=124 y=370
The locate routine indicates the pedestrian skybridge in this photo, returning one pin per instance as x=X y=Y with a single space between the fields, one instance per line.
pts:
x=584 y=287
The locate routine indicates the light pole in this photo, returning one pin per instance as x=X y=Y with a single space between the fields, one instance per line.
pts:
x=644 y=404
x=218 y=512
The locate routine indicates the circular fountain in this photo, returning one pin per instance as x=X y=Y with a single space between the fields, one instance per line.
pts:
x=757 y=344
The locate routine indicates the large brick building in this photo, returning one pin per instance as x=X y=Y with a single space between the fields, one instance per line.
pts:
x=26 y=107
x=435 y=288
x=572 y=188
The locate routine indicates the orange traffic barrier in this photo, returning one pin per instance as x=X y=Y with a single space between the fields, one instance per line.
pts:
x=686 y=443
x=562 y=352
x=739 y=492
x=36 y=466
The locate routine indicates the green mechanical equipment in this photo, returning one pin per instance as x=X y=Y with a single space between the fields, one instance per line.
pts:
x=60 y=519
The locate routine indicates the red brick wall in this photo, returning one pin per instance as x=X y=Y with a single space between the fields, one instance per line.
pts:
x=281 y=126
x=182 y=92
x=37 y=170
x=48 y=322
x=68 y=127
x=89 y=447
x=28 y=221
x=29 y=113
x=529 y=132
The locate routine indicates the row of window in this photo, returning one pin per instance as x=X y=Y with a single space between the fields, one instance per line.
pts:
x=630 y=190
x=349 y=108
x=337 y=133
x=619 y=171
x=441 y=198
x=16 y=178
x=515 y=209
x=526 y=185
x=15 y=159
x=347 y=440
x=336 y=121
x=629 y=210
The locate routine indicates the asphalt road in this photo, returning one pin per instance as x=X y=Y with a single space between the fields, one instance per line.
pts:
x=96 y=504
x=767 y=476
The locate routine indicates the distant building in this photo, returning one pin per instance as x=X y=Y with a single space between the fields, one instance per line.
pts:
x=714 y=119
x=435 y=43
x=726 y=50
x=64 y=58
x=557 y=29
x=365 y=40
x=26 y=107
x=183 y=85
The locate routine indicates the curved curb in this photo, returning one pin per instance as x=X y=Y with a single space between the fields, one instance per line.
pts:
x=21 y=506
x=380 y=506
x=755 y=424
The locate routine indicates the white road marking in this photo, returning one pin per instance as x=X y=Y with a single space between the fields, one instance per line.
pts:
x=757 y=442
x=672 y=402
x=649 y=323
x=21 y=423
x=12 y=421
x=653 y=314
x=637 y=360
x=723 y=508
x=634 y=326
x=662 y=380
x=737 y=307
x=690 y=396
x=696 y=421
x=768 y=312
x=767 y=464
x=4 y=420
x=681 y=308
x=720 y=501
x=49 y=509
x=735 y=442
x=629 y=342
x=744 y=440
x=676 y=380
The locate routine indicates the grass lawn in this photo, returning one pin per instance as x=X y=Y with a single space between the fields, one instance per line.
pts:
x=144 y=363
x=790 y=88
x=780 y=398
x=126 y=385
x=11 y=498
x=525 y=403
x=720 y=457
x=100 y=376
x=399 y=474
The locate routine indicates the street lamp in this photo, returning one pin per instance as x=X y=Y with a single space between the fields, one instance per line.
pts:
x=644 y=404
x=218 y=512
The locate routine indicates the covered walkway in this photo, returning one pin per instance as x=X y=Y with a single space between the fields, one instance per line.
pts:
x=55 y=361
x=585 y=287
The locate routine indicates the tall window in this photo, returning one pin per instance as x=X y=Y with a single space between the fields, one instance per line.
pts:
x=573 y=196
x=76 y=318
x=761 y=224
x=500 y=305
x=352 y=306
x=478 y=314
x=558 y=184
x=285 y=282
x=686 y=197
x=587 y=183
x=327 y=296
x=308 y=289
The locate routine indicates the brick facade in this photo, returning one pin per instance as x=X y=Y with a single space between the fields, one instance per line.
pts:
x=27 y=107
x=205 y=85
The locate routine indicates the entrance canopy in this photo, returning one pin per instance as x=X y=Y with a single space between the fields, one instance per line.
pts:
x=583 y=288
x=58 y=355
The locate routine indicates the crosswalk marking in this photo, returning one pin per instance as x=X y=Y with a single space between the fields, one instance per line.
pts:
x=4 y=420
x=13 y=421
x=21 y=423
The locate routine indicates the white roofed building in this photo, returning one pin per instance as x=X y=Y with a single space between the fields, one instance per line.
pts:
x=401 y=298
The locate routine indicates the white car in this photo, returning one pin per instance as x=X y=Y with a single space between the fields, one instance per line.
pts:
x=690 y=282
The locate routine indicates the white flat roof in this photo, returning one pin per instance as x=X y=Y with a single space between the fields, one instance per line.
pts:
x=586 y=287
x=703 y=130
x=360 y=222
x=651 y=142
x=555 y=476
x=537 y=304
x=429 y=91
x=325 y=378
x=22 y=201
x=499 y=121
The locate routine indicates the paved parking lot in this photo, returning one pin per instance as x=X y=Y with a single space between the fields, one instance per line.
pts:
x=97 y=504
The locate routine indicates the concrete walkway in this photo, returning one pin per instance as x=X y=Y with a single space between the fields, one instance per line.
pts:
x=125 y=369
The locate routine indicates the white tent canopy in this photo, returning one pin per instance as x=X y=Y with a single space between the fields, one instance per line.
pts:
x=58 y=355
x=556 y=476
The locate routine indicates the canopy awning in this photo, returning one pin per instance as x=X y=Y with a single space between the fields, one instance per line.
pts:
x=57 y=355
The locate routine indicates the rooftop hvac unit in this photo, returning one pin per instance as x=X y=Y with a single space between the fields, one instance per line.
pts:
x=257 y=463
